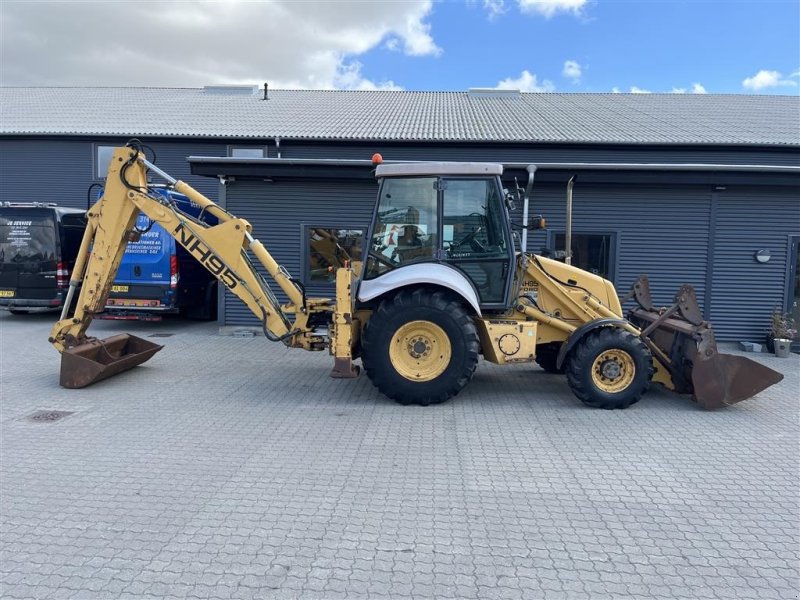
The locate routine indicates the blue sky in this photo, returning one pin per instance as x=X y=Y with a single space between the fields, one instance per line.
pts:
x=644 y=44
x=533 y=45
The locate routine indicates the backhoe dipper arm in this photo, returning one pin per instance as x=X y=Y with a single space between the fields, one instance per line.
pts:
x=222 y=249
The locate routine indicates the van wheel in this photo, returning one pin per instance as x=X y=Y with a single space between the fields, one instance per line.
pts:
x=420 y=347
x=610 y=368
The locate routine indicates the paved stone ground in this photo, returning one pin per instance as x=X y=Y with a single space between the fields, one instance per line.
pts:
x=234 y=468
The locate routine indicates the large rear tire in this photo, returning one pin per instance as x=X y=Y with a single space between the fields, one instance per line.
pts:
x=420 y=347
x=610 y=368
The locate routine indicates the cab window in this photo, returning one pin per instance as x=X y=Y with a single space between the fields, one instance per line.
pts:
x=472 y=225
x=406 y=226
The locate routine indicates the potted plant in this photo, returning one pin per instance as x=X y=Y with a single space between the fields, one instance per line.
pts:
x=782 y=331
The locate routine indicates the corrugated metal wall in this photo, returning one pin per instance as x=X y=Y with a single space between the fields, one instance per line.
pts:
x=744 y=292
x=666 y=232
x=58 y=170
x=542 y=153
x=278 y=212
x=660 y=231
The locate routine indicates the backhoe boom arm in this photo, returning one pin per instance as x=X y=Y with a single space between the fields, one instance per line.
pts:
x=222 y=249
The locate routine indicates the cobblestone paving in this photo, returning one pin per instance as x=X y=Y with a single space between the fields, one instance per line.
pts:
x=234 y=468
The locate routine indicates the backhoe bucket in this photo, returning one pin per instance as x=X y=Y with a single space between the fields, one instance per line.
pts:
x=100 y=359
x=685 y=345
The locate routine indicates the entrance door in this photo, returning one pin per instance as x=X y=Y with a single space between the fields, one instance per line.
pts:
x=793 y=293
x=474 y=235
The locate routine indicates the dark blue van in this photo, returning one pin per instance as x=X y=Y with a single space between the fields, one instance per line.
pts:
x=157 y=276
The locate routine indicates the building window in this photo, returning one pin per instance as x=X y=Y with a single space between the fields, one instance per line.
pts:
x=593 y=252
x=102 y=158
x=247 y=152
x=328 y=248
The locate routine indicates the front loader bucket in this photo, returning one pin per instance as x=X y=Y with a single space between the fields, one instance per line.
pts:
x=685 y=345
x=723 y=379
x=100 y=359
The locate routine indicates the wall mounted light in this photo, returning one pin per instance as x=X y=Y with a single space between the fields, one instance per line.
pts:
x=762 y=256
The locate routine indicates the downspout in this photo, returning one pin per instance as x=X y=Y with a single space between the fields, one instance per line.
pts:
x=525 y=206
x=278 y=146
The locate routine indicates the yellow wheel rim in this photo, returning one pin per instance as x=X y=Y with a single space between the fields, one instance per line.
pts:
x=613 y=371
x=420 y=351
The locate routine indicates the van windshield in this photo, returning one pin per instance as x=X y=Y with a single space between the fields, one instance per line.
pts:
x=26 y=237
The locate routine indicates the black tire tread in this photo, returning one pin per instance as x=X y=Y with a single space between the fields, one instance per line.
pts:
x=399 y=303
x=581 y=358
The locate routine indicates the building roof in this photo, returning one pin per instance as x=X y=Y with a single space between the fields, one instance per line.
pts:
x=474 y=116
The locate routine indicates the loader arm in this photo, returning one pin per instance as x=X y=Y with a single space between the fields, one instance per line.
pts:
x=222 y=249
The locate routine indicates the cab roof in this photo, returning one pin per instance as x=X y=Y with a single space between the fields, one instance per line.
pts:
x=438 y=169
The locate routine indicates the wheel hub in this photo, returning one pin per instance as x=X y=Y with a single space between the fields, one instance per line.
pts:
x=420 y=350
x=419 y=347
x=610 y=369
x=613 y=370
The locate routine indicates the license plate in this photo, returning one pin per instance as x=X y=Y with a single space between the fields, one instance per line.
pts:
x=6 y=293
x=119 y=288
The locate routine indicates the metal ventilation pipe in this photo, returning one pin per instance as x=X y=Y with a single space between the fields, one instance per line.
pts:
x=525 y=205
x=568 y=226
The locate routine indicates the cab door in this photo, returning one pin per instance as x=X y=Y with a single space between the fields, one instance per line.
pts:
x=476 y=237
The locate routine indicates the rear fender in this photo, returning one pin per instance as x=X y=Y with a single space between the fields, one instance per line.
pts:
x=428 y=273
x=581 y=331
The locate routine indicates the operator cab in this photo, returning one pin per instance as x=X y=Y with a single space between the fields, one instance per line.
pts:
x=452 y=214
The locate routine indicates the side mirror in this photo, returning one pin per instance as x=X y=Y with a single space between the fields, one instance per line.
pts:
x=509 y=200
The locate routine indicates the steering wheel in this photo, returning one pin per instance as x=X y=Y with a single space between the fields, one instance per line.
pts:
x=471 y=240
x=382 y=258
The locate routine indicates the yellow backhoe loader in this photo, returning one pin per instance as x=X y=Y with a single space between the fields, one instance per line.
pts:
x=441 y=284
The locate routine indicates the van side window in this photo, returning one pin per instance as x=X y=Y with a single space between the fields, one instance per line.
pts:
x=73 y=227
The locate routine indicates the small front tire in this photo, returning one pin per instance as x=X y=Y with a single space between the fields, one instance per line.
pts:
x=610 y=368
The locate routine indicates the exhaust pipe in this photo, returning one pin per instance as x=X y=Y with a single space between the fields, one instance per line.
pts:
x=568 y=225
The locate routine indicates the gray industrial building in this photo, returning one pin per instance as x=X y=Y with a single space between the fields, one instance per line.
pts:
x=685 y=188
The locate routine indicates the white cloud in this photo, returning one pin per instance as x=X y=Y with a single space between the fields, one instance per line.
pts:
x=526 y=82
x=194 y=43
x=767 y=79
x=549 y=8
x=572 y=70
x=495 y=8
x=348 y=77
x=637 y=90
x=697 y=88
